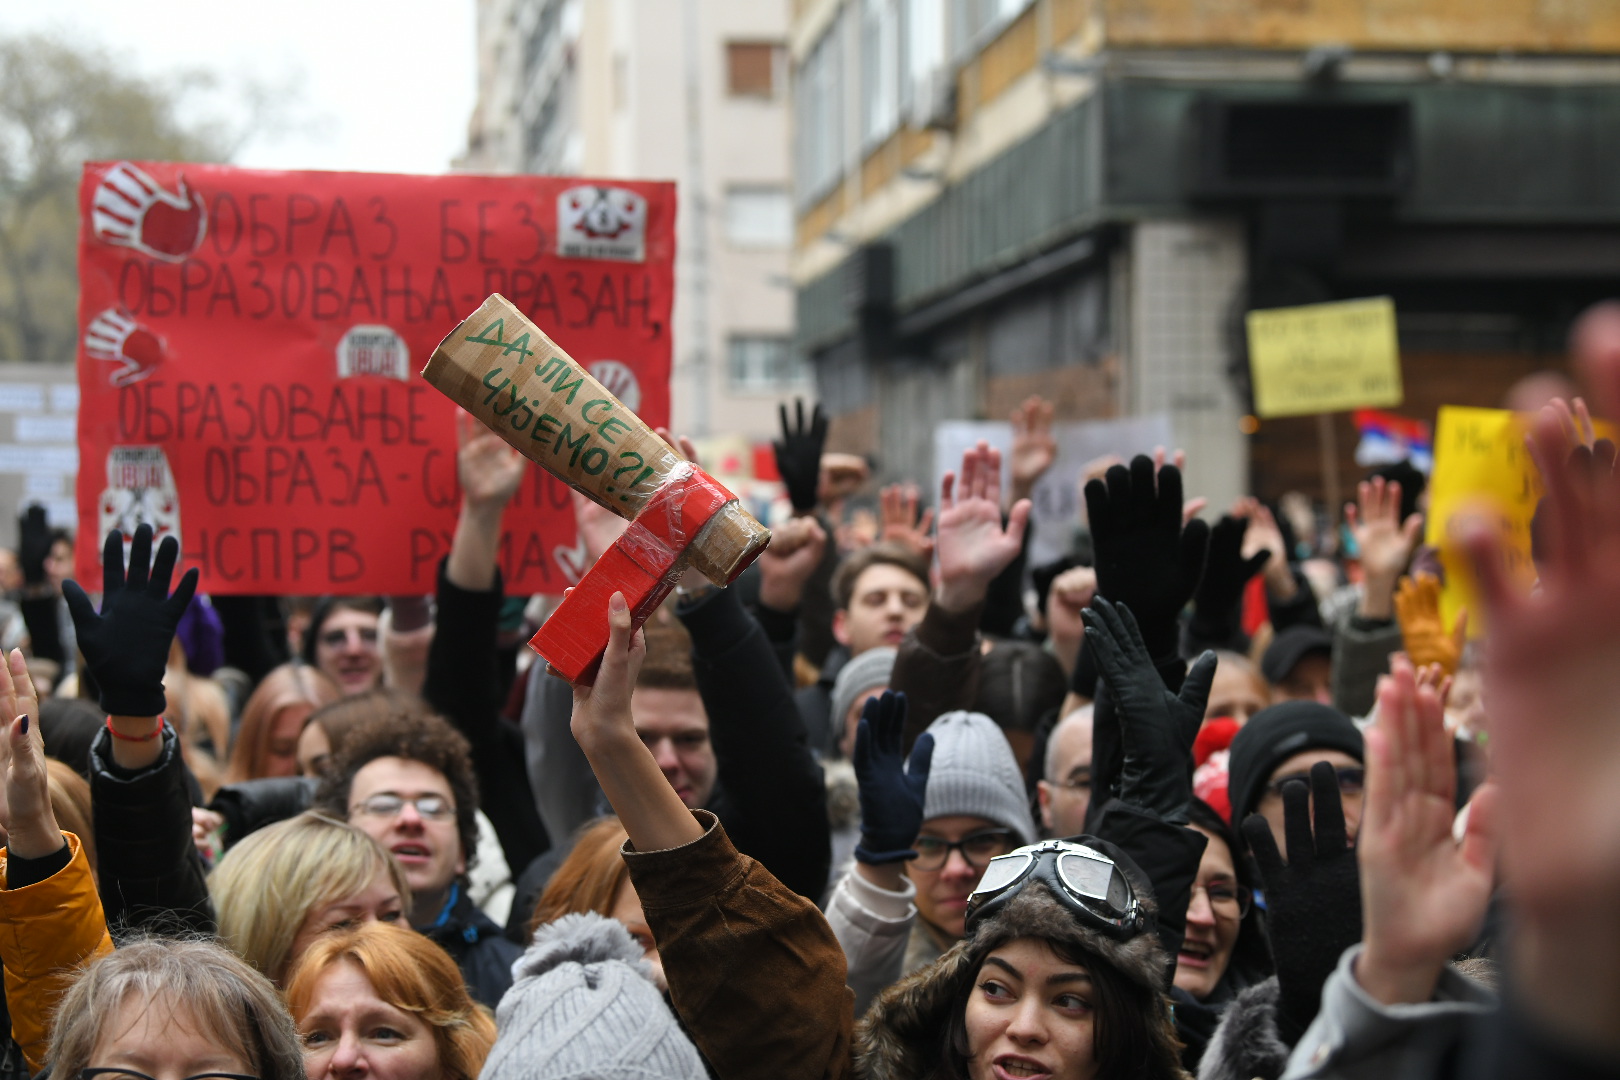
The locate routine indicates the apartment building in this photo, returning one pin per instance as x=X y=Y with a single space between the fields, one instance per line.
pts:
x=1083 y=198
x=694 y=91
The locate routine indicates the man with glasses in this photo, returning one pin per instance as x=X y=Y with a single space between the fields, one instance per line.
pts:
x=1281 y=744
x=895 y=917
x=407 y=781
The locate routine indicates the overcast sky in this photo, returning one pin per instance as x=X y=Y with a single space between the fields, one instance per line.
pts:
x=383 y=85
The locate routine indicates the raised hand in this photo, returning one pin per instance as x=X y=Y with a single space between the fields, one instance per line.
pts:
x=489 y=470
x=972 y=544
x=842 y=475
x=1071 y=591
x=33 y=544
x=901 y=520
x=25 y=804
x=891 y=785
x=1314 y=899
x=798 y=456
x=1226 y=575
x=1423 y=896
x=1157 y=728
x=1417 y=608
x=1264 y=535
x=1146 y=559
x=795 y=550
x=1033 y=448
x=1384 y=541
x=127 y=645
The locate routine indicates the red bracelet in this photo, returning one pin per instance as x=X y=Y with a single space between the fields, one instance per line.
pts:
x=115 y=733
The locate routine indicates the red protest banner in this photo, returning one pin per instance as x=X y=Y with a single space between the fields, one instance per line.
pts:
x=250 y=342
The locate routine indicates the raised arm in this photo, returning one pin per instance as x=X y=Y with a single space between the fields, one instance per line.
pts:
x=50 y=917
x=740 y=950
x=938 y=662
x=148 y=871
x=463 y=672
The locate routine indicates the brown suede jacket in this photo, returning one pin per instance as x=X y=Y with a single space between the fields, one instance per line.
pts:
x=754 y=970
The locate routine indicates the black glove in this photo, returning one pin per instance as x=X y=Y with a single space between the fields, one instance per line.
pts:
x=1215 y=606
x=1145 y=559
x=798 y=457
x=33 y=544
x=891 y=787
x=127 y=645
x=1157 y=728
x=1313 y=901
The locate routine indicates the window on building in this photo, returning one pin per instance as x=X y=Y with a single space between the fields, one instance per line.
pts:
x=762 y=362
x=752 y=67
x=923 y=70
x=818 y=102
x=880 y=70
x=759 y=217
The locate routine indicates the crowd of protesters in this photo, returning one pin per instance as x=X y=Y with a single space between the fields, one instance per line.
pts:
x=1223 y=800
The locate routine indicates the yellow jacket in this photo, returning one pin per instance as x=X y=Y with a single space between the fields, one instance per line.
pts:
x=48 y=931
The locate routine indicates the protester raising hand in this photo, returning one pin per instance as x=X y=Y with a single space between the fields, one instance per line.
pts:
x=1424 y=633
x=1554 y=689
x=1384 y=543
x=1423 y=895
x=798 y=456
x=892 y=786
x=490 y=473
x=902 y=520
x=1033 y=447
x=25 y=804
x=1146 y=559
x=972 y=544
x=127 y=645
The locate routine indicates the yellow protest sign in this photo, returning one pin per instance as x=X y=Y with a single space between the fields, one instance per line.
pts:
x=1323 y=358
x=1481 y=467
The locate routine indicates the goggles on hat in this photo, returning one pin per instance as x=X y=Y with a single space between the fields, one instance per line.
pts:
x=1084 y=880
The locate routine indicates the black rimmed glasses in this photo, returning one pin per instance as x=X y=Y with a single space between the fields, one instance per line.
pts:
x=978 y=848
x=1227 y=899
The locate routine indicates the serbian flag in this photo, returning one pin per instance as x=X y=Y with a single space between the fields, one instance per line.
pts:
x=1387 y=439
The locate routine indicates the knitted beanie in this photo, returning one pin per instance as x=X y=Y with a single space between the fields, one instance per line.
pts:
x=582 y=1004
x=973 y=773
x=1274 y=735
x=868 y=671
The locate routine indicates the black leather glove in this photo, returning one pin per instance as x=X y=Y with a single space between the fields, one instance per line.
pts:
x=891 y=788
x=1157 y=728
x=1144 y=558
x=127 y=645
x=798 y=456
x=33 y=544
x=1313 y=901
x=1220 y=591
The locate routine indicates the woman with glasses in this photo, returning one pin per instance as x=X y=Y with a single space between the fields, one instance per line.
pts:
x=283 y=887
x=893 y=915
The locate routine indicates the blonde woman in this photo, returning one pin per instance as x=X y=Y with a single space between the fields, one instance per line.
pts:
x=287 y=884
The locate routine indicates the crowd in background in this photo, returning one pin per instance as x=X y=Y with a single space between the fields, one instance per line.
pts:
x=1224 y=799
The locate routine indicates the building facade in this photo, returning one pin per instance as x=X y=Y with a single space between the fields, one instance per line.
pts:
x=693 y=91
x=1082 y=198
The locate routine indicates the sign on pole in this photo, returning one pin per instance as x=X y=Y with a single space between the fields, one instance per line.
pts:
x=1324 y=358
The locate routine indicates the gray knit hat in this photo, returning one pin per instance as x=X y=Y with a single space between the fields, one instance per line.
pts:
x=973 y=773
x=868 y=671
x=583 y=1004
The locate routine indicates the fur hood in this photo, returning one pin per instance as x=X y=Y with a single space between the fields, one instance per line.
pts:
x=902 y=1035
x=1246 y=1045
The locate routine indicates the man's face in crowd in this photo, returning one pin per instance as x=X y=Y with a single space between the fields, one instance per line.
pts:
x=1310 y=680
x=675 y=727
x=1299 y=766
x=1236 y=693
x=886 y=602
x=429 y=851
x=346 y=649
x=942 y=894
x=1065 y=794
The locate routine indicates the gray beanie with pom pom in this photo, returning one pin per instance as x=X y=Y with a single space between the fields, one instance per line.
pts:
x=583 y=1004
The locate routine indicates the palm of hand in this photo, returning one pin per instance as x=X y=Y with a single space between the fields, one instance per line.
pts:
x=1443 y=896
x=490 y=470
x=1554 y=695
x=971 y=540
x=1032 y=456
x=1383 y=546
